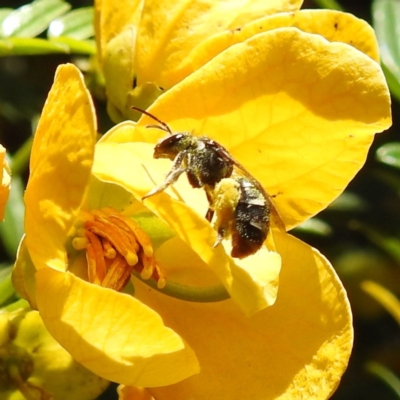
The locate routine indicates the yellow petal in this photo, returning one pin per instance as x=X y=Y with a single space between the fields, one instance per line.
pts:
x=23 y=275
x=297 y=111
x=129 y=131
x=111 y=19
x=5 y=181
x=298 y=348
x=120 y=75
x=249 y=282
x=61 y=160
x=119 y=70
x=335 y=26
x=112 y=334
x=168 y=31
x=143 y=47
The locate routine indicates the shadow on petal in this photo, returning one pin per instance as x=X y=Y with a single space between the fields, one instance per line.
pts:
x=298 y=348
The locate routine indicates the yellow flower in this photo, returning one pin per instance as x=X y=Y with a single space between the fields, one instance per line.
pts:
x=146 y=47
x=5 y=181
x=112 y=334
x=299 y=112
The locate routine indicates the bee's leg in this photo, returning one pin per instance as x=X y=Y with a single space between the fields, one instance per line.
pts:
x=210 y=211
x=209 y=214
x=220 y=236
x=175 y=172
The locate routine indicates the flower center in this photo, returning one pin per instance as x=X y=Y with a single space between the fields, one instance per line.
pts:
x=115 y=247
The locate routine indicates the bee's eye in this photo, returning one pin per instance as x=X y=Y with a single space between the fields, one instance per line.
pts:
x=170 y=143
x=171 y=140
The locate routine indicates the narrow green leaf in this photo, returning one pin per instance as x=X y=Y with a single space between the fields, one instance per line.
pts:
x=18 y=305
x=389 y=244
x=314 y=226
x=19 y=46
x=32 y=19
x=349 y=202
x=386 y=375
x=386 y=20
x=389 y=154
x=4 y=12
x=392 y=81
x=389 y=177
x=77 y=24
x=7 y=292
x=4 y=272
x=12 y=228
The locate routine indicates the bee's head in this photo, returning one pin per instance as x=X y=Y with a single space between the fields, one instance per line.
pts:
x=171 y=146
x=175 y=143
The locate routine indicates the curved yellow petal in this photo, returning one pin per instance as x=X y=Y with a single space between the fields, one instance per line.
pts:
x=131 y=165
x=5 y=181
x=298 y=348
x=112 y=18
x=129 y=131
x=61 y=160
x=112 y=334
x=297 y=111
x=333 y=25
x=143 y=45
x=23 y=275
x=119 y=69
x=168 y=31
x=119 y=74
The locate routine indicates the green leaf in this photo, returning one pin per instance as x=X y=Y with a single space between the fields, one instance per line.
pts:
x=7 y=292
x=389 y=154
x=77 y=24
x=12 y=228
x=386 y=375
x=314 y=226
x=32 y=19
x=349 y=202
x=4 y=12
x=386 y=20
x=389 y=244
x=392 y=81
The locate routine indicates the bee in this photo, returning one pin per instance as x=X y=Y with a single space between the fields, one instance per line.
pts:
x=242 y=212
x=242 y=207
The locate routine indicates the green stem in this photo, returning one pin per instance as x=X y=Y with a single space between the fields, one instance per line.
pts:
x=208 y=294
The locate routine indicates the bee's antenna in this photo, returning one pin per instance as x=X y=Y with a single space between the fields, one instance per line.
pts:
x=163 y=127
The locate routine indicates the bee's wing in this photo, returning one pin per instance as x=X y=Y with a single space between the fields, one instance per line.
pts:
x=275 y=216
x=241 y=170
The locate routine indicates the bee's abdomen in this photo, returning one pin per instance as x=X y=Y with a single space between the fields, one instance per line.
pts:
x=251 y=220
